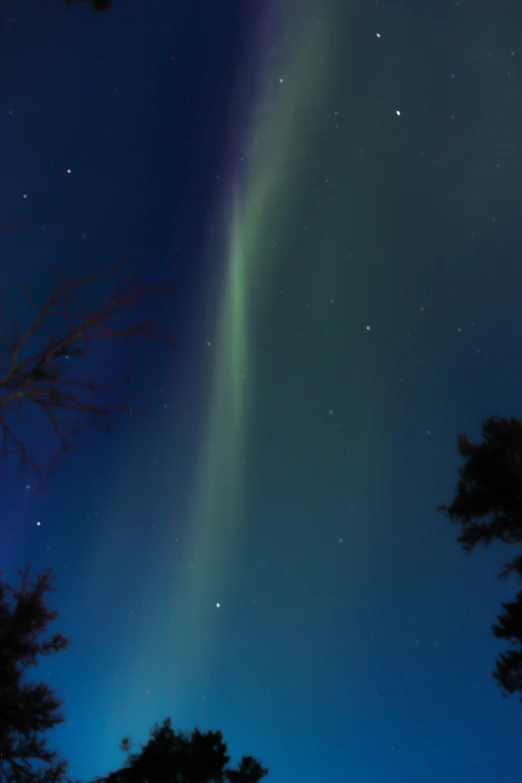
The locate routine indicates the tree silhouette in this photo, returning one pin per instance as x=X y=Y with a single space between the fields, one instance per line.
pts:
x=488 y=505
x=27 y=709
x=41 y=377
x=98 y=5
x=171 y=757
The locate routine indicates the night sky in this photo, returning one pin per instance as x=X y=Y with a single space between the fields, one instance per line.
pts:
x=333 y=186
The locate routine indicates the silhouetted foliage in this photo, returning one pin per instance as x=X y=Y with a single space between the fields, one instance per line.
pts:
x=27 y=709
x=41 y=377
x=98 y=5
x=173 y=757
x=509 y=665
x=488 y=506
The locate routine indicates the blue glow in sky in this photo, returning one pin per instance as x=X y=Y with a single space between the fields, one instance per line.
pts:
x=333 y=189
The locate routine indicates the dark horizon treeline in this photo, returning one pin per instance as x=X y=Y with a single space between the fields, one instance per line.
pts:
x=97 y=5
x=39 y=378
x=29 y=709
x=487 y=505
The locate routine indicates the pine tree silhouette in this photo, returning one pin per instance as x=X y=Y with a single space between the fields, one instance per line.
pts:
x=488 y=506
x=27 y=709
x=98 y=5
x=174 y=757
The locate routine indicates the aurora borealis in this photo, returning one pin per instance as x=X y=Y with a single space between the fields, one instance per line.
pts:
x=332 y=187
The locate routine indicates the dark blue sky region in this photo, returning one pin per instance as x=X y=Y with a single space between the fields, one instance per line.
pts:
x=333 y=188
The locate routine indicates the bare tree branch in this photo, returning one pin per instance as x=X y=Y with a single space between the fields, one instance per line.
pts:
x=10 y=227
x=39 y=377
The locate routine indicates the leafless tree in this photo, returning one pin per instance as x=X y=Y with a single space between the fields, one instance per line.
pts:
x=41 y=377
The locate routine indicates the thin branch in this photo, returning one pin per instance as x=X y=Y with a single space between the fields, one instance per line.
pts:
x=41 y=379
